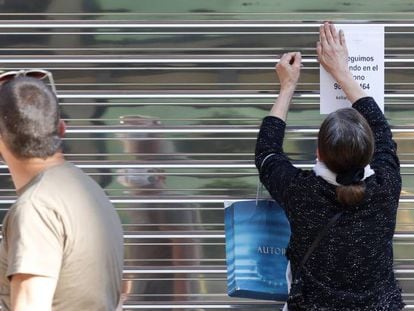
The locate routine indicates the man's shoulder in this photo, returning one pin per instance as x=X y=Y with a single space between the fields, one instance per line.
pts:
x=66 y=178
x=57 y=187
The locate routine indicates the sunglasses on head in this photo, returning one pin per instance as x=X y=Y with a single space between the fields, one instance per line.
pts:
x=33 y=73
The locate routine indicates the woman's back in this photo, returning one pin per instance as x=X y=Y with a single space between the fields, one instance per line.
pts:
x=356 y=177
x=352 y=267
x=353 y=264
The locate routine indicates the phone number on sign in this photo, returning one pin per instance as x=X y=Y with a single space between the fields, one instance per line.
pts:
x=364 y=86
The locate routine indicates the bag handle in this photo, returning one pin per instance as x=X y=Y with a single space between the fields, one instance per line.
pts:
x=315 y=243
x=259 y=184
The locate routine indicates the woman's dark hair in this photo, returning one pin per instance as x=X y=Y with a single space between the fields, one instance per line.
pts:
x=346 y=146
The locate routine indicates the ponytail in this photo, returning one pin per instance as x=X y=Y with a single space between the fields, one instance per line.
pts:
x=346 y=145
x=351 y=194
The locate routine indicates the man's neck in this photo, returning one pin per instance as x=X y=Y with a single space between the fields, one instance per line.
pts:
x=24 y=170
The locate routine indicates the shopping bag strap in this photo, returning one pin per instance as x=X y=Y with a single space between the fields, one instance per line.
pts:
x=259 y=184
x=315 y=243
x=265 y=159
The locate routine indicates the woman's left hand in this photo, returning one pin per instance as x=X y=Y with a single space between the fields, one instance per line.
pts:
x=288 y=70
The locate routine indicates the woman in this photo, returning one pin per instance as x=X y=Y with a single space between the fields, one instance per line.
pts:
x=357 y=173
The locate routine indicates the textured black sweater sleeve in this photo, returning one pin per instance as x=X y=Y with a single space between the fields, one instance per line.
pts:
x=385 y=153
x=276 y=172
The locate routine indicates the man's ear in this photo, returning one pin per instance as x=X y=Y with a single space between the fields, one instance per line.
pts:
x=4 y=150
x=317 y=154
x=1 y=142
x=62 y=128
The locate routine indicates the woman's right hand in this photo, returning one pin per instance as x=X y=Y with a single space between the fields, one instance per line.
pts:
x=332 y=51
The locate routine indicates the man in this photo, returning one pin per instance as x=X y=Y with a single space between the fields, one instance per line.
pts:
x=62 y=245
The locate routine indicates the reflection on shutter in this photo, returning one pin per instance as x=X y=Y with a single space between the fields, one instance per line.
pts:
x=163 y=99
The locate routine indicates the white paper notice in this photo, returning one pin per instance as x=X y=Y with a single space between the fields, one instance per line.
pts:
x=366 y=61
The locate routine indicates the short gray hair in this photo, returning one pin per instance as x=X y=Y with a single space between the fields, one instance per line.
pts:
x=29 y=118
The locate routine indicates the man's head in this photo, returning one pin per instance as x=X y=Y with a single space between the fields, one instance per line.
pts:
x=29 y=118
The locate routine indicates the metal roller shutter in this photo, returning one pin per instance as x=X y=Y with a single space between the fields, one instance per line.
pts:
x=163 y=100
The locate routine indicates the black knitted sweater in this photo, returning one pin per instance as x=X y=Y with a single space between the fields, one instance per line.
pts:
x=352 y=268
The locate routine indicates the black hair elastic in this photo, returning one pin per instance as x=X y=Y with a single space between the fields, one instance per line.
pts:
x=350 y=177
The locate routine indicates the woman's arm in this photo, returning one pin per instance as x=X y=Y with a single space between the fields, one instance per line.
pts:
x=385 y=152
x=277 y=171
x=288 y=71
x=333 y=56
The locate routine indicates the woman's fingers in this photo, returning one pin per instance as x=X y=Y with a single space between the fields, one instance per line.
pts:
x=287 y=58
x=297 y=59
x=331 y=49
x=342 y=40
x=283 y=59
x=291 y=58
x=322 y=36
x=288 y=69
x=319 y=50
x=334 y=33
x=328 y=33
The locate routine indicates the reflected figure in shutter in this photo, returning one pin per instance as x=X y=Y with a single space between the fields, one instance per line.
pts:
x=155 y=218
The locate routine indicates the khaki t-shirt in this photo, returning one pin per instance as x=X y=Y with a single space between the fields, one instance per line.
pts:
x=63 y=226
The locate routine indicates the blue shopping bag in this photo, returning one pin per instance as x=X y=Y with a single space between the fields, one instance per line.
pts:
x=257 y=235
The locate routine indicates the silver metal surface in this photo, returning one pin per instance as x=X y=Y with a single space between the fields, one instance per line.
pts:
x=163 y=99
